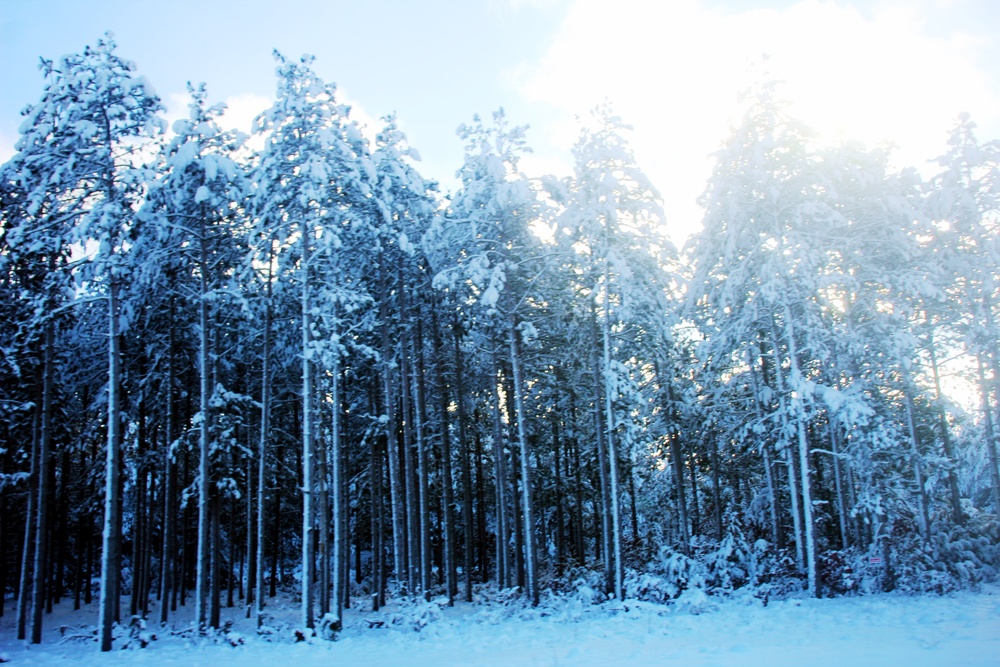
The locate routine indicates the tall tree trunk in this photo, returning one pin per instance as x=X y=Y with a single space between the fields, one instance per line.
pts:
x=41 y=518
x=918 y=474
x=500 y=475
x=412 y=493
x=480 y=488
x=324 y=472
x=716 y=487
x=676 y=457
x=202 y=580
x=516 y=508
x=956 y=499
x=695 y=511
x=447 y=501
x=793 y=487
x=800 y=416
x=560 y=519
x=423 y=478
x=530 y=557
x=467 y=527
x=838 y=485
x=339 y=504
x=772 y=500
x=28 y=553
x=168 y=551
x=577 y=486
x=607 y=548
x=215 y=563
x=250 y=556
x=265 y=430
x=110 y=552
x=397 y=492
x=991 y=442
x=308 y=444
x=375 y=496
x=616 y=520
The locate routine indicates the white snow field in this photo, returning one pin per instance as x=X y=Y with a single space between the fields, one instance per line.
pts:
x=957 y=629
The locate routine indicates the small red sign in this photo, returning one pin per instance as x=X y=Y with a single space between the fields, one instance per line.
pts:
x=875 y=560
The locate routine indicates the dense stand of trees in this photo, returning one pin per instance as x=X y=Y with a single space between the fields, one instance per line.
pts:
x=230 y=371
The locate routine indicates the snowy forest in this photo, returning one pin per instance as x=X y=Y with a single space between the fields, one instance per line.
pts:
x=240 y=367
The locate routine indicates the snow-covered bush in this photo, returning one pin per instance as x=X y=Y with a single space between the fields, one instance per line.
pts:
x=139 y=635
x=840 y=571
x=951 y=558
x=418 y=615
x=717 y=567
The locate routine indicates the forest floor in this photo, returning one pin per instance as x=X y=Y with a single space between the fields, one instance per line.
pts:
x=891 y=629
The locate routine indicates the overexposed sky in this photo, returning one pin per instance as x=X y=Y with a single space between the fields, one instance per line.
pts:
x=874 y=71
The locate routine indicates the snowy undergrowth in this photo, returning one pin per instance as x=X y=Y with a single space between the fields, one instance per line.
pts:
x=572 y=628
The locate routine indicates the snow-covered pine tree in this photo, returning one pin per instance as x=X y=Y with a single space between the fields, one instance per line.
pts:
x=311 y=180
x=486 y=240
x=613 y=216
x=189 y=208
x=81 y=138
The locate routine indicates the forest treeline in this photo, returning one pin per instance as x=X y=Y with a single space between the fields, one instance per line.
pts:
x=234 y=365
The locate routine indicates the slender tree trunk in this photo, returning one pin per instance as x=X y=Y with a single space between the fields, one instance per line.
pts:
x=841 y=506
x=447 y=501
x=324 y=472
x=467 y=527
x=800 y=417
x=918 y=474
x=276 y=550
x=412 y=492
x=41 y=518
x=111 y=539
x=772 y=500
x=480 y=488
x=676 y=457
x=695 y=511
x=560 y=519
x=28 y=553
x=616 y=520
x=250 y=555
x=530 y=557
x=423 y=478
x=265 y=429
x=308 y=548
x=344 y=500
x=793 y=488
x=716 y=487
x=202 y=580
x=991 y=443
x=500 y=475
x=375 y=496
x=602 y=463
x=397 y=493
x=577 y=486
x=956 y=499
x=167 y=553
x=215 y=561
x=339 y=504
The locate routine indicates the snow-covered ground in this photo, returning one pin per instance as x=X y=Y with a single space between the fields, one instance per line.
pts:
x=958 y=629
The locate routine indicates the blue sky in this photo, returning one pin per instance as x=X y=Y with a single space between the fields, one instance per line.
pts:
x=885 y=70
